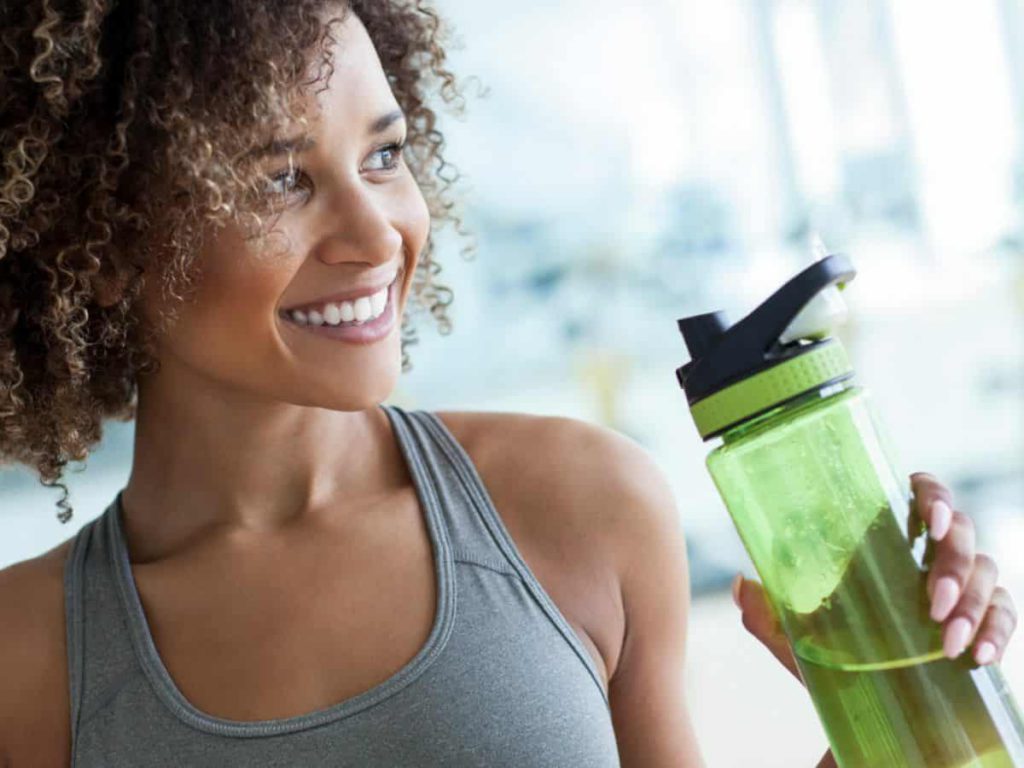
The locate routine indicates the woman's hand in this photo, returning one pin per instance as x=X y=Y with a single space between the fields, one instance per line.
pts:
x=973 y=610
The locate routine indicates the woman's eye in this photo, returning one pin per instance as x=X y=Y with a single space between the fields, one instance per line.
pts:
x=289 y=182
x=391 y=155
x=294 y=181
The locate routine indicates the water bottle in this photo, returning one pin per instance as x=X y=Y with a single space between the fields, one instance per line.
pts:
x=810 y=480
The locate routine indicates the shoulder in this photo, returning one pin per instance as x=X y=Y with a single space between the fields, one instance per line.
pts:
x=597 y=507
x=595 y=476
x=565 y=455
x=594 y=511
x=34 y=705
x=578 y=493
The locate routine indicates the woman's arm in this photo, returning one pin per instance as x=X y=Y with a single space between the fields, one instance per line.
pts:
x=597 y=522
x=649 y=708
x=609 y=489
x=34 y=712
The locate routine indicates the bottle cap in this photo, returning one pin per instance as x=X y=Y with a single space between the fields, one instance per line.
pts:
x=779 y=351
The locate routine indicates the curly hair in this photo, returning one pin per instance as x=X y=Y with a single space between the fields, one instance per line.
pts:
x=124 y=128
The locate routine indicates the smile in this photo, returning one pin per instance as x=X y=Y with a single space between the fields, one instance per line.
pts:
x=359 y=321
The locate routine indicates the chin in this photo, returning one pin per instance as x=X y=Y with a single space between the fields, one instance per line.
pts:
x=358 y=392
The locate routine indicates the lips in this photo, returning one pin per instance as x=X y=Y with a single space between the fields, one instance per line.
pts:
x=354 y=333
x=350 y=296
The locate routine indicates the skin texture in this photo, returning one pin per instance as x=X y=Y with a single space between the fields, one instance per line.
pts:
x=260 y=452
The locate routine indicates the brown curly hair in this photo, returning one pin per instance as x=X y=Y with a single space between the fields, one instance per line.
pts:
x=124 y=128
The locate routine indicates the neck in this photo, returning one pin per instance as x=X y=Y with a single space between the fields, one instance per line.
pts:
x=207 y=457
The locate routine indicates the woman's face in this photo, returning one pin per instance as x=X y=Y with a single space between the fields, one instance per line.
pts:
x=317 y=320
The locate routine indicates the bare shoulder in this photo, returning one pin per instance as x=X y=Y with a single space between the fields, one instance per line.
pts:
x=34 y=702
x=595 y=478
x=583 y=502
x=598 y=523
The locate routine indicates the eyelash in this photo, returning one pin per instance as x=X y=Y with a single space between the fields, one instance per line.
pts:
x=302 y=178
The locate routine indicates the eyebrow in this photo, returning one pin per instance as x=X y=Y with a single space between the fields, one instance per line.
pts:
x=283 y=146
x=302 y=143
x=384 y=122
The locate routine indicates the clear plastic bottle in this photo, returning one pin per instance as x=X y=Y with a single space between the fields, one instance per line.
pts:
x=809 y=479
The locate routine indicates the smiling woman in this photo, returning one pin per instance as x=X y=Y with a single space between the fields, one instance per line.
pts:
x=246 y=194
x=130 y=132
x=215 y=217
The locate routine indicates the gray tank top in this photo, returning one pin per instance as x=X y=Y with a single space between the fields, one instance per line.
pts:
x=502 y=680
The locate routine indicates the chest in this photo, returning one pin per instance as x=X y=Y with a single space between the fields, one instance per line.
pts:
x=303 y=623
x=296 y=623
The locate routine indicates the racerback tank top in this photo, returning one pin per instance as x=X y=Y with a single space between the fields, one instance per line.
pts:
x=502 y=680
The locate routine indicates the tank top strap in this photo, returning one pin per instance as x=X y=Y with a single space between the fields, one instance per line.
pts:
x=100 y=656
x=477 y=533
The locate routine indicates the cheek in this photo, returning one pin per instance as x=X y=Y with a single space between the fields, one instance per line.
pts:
x=238 y=282
x=414 y=225
x=234 y=301
x=421 y=219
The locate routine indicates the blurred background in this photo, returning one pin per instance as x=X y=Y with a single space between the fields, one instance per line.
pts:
x=625 y=165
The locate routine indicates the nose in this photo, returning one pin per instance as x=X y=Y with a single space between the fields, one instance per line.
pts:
x=359 y=227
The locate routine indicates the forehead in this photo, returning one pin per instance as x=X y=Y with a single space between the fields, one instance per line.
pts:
x=357 y=85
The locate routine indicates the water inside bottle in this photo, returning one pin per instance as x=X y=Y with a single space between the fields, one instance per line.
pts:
x=926 y=714
x=871 y=658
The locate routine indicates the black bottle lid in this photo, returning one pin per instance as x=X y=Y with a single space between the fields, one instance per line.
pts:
x=722 y=355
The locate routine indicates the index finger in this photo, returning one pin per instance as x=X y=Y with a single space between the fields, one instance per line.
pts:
x=933 y=503
x=760 y=621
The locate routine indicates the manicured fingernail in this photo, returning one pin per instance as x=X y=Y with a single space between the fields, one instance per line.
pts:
x=737 y=582
x=946 y=593
x=985 y=652
x=942 y=516
x=957 y=634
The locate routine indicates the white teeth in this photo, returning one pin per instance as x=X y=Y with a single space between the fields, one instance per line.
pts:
x=378 y=301
x=332 y=314
x=362 y=309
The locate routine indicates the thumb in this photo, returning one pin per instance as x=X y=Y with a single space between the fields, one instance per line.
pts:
x=759 y=619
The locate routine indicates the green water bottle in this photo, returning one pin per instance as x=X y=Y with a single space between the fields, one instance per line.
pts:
x=810 y=481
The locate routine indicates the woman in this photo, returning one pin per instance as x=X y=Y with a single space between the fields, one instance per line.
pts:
x=213 y=219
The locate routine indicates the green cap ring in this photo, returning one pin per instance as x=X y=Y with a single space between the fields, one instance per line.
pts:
x=770 y=387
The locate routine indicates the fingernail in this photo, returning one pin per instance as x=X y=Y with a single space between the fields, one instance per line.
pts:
x=957 y=634
x=944 y=597
x=737 y=583
x=942 y=516
x=985 y=652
